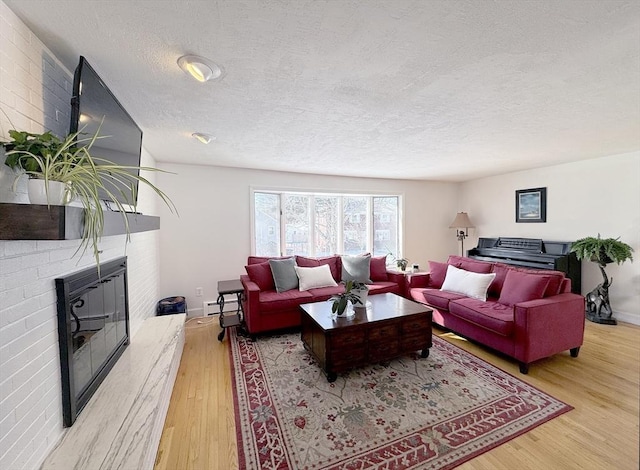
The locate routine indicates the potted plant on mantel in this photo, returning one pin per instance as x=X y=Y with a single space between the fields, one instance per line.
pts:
x=602 y=252
x=61 y=170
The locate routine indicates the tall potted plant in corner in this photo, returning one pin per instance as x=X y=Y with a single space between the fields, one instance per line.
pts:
x=68 y=165
x=602 y=252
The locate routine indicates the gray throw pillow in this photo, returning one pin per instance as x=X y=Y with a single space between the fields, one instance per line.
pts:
x=356 y=268
x=284 y=274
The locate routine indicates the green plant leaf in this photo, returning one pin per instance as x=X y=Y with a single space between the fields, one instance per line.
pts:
x=70 y=161
x=602 y=250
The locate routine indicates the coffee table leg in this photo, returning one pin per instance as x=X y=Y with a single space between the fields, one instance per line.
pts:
x=425 y=353
x=331 y=377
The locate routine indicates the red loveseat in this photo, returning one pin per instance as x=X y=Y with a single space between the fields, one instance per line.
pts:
x=265 y=309
x=528 y=314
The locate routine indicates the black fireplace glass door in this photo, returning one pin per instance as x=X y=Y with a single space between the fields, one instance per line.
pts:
x=93 y=329
x=120 y=309
x=99 y=326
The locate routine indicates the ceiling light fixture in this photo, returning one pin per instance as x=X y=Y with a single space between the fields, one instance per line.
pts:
x=199 y=68
x=204 y=138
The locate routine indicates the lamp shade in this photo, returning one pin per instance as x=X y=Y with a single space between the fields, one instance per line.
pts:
x=461 y=221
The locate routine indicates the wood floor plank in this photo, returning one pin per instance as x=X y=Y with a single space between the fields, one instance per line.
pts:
x=602 y=384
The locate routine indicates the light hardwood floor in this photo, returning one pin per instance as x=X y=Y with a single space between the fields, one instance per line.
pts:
x=602 y=384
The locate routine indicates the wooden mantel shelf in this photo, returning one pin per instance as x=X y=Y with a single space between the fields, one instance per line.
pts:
x=39 y=222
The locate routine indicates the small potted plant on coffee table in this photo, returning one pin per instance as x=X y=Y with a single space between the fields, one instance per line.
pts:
x=362 y=291
x=341 y=301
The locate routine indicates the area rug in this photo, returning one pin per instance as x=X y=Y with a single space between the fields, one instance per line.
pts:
x=411 y=413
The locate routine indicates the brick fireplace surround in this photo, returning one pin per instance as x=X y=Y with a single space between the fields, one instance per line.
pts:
x=35 y=94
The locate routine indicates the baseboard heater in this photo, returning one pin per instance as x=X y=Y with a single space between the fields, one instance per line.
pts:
x=211 y=307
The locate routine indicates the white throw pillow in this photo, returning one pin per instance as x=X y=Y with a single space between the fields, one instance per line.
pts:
x=471 y=284
x=310 y=278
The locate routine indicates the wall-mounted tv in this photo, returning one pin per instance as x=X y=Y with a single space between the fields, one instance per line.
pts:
x=92 y=105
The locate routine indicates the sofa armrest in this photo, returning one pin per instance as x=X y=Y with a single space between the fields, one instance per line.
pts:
x=548 y=326
x=395 y=276
x=413 y=281
x=398 y=278
x=417 y=280
x=250 y=300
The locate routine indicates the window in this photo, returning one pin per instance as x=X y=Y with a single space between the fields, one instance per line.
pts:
x=267 y=224
x=383 y=235
x=296 y=218
x=287 y=223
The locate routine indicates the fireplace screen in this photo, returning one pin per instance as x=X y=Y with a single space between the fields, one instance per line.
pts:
x=93 y=327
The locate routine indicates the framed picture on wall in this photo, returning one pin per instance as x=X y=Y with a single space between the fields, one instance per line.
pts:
x=531 y=205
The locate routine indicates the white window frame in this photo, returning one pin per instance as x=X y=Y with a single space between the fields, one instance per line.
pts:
x=340 y=237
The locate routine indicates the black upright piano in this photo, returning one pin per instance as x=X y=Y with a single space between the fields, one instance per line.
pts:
x=531 y=253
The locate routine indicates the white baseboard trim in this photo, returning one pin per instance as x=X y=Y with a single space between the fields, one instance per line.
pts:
x=627 y=317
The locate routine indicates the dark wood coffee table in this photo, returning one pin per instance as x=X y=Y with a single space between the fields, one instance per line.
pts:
x=392 y=326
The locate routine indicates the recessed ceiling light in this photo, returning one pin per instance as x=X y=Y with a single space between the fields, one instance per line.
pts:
x=200 y=68
x=202 y=137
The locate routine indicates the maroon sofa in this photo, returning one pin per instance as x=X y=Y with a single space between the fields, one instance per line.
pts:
x=265 y=309
x=528 y=315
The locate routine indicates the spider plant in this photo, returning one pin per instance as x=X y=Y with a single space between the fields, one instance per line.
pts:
x=45 y=156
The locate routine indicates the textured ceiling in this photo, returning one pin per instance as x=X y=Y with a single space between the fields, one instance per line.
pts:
x=439 y=90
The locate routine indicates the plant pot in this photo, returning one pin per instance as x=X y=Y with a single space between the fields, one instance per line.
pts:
x=348 y=312
x=601 y=258
x=57 y=194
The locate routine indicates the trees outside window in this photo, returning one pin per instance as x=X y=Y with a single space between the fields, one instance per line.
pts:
x=308 y=224
x=266 y=225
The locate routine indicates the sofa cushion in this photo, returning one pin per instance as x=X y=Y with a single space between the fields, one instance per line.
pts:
x=382 y=287
x=555 y=279
x=356 y=268
x=378 y=268
x=470 y=283
x=469 y=264
x=319 y=276
x=501 y=271
x=522 y=287
x=440 y=298
x=272 y=301
x=261 y=274
x=493 y=316
x=324 y=293
x=332 y=261
x=437 y=273
x=284 y=274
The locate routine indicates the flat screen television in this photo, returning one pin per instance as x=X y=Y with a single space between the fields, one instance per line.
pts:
x=94 y=105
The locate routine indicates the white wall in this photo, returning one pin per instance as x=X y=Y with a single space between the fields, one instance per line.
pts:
x=583 y=199
x=35 y=92
x=211 y=239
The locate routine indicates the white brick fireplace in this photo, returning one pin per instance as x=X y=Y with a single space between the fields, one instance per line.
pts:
x=35 y=92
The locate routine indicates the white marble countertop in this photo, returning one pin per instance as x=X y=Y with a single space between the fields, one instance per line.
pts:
x=120 y=427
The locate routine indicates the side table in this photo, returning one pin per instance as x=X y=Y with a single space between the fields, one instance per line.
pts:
x=230 y=319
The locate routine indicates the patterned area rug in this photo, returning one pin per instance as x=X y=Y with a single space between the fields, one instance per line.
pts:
x=411 y=413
